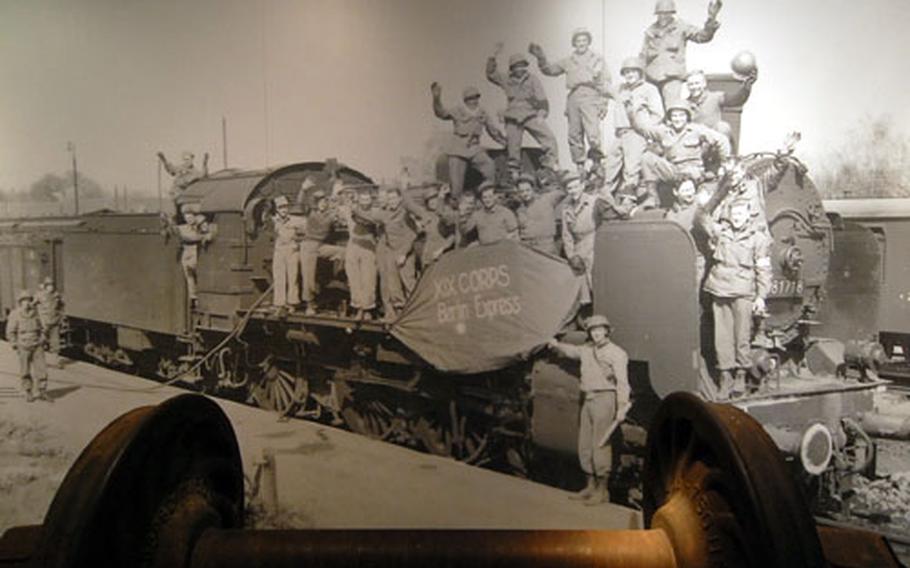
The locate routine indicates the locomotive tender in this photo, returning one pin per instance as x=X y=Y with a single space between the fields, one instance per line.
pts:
x=416 y=381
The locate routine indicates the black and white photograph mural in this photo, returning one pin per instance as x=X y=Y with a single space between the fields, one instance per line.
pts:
x=629 y=269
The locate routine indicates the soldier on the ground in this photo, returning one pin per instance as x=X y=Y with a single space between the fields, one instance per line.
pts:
x=579 y=223
x=683 y=145
x=527 y=110
x=537 y=214
x=738 y=281
x=664 y=48
x=285 y=259
x=469 y=121
x=607 y=399
x=588 y=85
x=184 y=173
x=360 y=257
x=193 y=232
x=50 y=311
x=395 y=250
x=27 y=336
x=707 y=106
x=634 y=95
x=493 y=221
x=315 y=245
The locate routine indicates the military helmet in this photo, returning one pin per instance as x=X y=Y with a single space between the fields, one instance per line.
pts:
x=679 y=105
x=527 y=178
x=23 y=295
x=470 y=93
x=665 y=7
x=318 y=194
x=582 y=31
x=632 y=63
x=281 y=201
x=187 y=155
x=48 y=280
x=570 y=176
x=743 y=64
x=485 y=186
x=597 y=321
x=518 y=59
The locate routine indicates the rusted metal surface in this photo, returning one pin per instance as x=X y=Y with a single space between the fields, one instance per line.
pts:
x=732 y=485
x=569 y=549
x=853 y=548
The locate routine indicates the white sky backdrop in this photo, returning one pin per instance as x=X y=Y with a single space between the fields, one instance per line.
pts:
x=311 y=79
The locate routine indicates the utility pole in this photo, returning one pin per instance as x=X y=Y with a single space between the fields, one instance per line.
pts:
x=72 y=149
x=224 y=141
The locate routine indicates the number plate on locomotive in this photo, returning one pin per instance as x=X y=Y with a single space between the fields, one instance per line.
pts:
x=786 y=288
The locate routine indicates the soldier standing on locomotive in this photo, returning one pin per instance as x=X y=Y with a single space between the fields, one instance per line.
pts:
x=606 y=400
x=468 y=121
x=537 y=214
x=194 y=231
x=588 y=85
x=315 y=245
x=438 y=226
x=493 y=221
x=683 y=211
x=579 y=223
x=663 y=50
x=285 y=261
x=26 y=334
x=683 y=145
x=634 y=95
x=738 y=281
x=360 y=257
x=184 y=173
x=50 y=311
x=527 y=110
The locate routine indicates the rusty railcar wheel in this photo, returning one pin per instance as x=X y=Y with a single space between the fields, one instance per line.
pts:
x=156 y=474
x=715 y=467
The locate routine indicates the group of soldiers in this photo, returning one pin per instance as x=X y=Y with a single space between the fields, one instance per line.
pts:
x=34 y=327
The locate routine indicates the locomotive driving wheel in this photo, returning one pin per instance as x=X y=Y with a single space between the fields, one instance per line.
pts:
x=279 y=390
x=714 y=472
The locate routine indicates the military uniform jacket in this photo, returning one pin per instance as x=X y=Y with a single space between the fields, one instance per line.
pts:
x=687 y=145
x=603 y=368
x=468 y=128
x=537 y=220
x=578 y=226
x=742 y=262
x=708 y=108
x=362 y=233
x=319 y=225
x=24 y=329
x=525 y=96
x=399 y=231
x=664 y=48
x=644 y=99
x=493 y=225
x=50 y=307
x=586 y=72
x=288 y=230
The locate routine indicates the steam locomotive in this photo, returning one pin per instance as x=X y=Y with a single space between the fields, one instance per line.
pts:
x=421 y=381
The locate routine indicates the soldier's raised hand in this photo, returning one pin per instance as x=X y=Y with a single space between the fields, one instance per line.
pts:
x=791 y=141
x=535 y=50
x=436 y=89
x=714 y=9
x=553 y=343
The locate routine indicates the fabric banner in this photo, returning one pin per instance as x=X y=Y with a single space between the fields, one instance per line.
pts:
x=483 y=308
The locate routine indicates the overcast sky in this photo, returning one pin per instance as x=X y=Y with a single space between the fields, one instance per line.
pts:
x=310 y=79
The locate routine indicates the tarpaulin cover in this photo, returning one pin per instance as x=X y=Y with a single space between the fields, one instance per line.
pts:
x=482 y=308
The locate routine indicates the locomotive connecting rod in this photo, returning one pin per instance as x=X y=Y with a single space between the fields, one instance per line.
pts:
x=163 y=487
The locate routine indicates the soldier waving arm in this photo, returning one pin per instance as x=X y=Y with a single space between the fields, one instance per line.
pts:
x=439 y=109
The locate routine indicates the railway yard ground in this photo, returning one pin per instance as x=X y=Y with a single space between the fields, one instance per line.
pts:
x=325 y=477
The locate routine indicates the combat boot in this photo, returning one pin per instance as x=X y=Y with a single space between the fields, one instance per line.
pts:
x=42 y=395
x=601 y=493
x=739 y=383
x=587 y=492
x=725 y=384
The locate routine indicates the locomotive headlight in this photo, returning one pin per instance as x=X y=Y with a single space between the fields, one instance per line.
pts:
x=793 y=259
x=816 y=448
